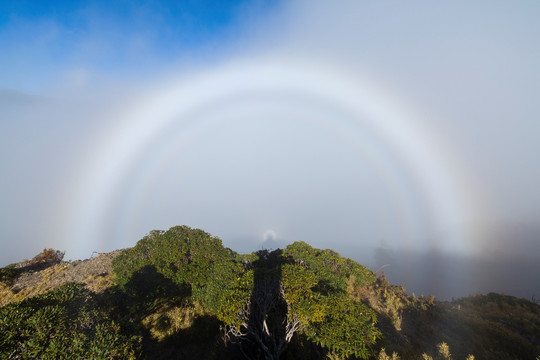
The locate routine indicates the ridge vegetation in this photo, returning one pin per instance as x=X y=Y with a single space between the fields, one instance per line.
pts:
x=181 y=294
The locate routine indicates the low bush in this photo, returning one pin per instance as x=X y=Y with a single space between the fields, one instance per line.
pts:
x=44 y=259
x=65 y=323
x=8 y=274
x=181 y=254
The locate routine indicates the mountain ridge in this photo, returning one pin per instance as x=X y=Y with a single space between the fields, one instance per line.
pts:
x=155 y=316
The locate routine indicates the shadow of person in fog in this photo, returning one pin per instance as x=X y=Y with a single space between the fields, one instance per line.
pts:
x=266 y=326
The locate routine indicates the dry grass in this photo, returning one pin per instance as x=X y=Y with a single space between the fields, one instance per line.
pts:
x=168 y=320
x=332 y=356
x=41 y=285
x=443 y=353
x=40 y=269
x=381 y=297
x=39 y=282
x=384 y=356
x=98 y=282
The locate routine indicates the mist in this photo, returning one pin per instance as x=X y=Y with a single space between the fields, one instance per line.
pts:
x=397 y=134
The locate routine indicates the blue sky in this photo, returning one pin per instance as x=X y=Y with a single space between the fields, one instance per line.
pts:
x=116 y=37
x=368 y=127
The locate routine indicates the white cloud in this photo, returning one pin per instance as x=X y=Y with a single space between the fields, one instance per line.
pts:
x=467 y=71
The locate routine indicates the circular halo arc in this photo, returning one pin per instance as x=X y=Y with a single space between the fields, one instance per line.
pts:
x=117 y=151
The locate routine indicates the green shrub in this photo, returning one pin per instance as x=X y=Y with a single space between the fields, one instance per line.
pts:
x=331 y=269
x=194 y=260
x=181 y=269
x=64 y=323
x=298 y=290
x=315 y=284
x=8 y=274
x=181 y=254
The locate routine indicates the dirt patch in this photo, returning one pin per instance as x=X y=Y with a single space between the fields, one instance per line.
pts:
x=95 y=273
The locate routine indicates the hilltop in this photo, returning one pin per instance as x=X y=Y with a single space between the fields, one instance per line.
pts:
x=181 y=294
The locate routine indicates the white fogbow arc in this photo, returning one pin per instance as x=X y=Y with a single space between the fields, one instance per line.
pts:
x=133 y=128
